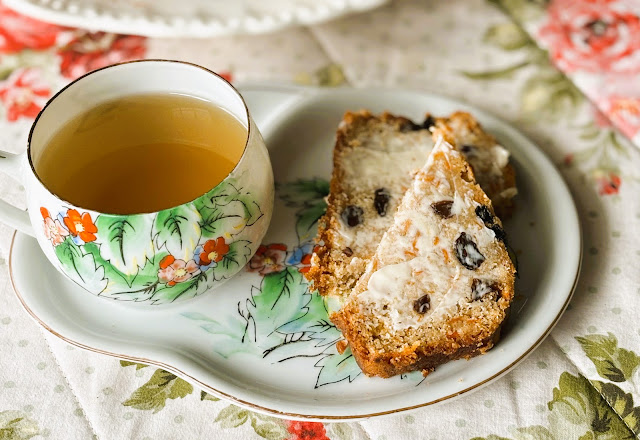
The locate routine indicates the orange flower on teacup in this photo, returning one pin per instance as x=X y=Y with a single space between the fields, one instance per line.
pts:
x=53 y=229
x=80 y=226
x=211 y=253
x=174 y=271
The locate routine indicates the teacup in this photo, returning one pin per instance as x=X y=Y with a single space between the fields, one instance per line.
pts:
x=143 y=257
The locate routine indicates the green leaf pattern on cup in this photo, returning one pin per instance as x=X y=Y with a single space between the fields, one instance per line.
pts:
x=175 y=254
x=80 y=266
x=124 y=241
x=178 y=230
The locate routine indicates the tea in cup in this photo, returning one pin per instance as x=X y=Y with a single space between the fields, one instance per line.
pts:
x=146 y=181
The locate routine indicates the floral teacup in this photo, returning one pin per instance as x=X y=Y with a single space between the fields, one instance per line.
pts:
x=155 y=258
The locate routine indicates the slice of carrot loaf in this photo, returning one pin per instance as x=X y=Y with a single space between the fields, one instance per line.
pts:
x=373 y=159
x=440 y=283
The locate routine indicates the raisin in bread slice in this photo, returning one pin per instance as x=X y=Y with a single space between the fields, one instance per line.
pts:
x=373 y=159
x=440 y=283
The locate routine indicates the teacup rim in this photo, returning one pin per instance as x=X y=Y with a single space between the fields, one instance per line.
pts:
x=160 y=60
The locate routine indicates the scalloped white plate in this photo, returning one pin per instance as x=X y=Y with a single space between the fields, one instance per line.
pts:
x=263 y=341
x=188 y=18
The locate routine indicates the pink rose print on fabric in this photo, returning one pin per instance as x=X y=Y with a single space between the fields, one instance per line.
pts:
x=18 y=32
x=306 y=430
x=592 y=36
x=23 y=94
x=90 y=51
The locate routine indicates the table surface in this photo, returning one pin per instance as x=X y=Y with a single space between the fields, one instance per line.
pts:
x=502 y=56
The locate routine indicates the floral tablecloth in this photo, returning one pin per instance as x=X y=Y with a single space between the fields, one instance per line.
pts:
x=531 y=62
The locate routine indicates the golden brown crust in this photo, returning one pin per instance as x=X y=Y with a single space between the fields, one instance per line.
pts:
x=462 y=337
x=415 y=358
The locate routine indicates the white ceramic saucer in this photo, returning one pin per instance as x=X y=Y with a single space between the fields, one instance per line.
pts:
x=188 y=18
x=263 y=340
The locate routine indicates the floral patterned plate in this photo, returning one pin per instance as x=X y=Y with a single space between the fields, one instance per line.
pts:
x=263 y=340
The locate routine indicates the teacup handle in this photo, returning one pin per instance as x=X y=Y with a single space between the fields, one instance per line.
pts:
x=10 y=215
